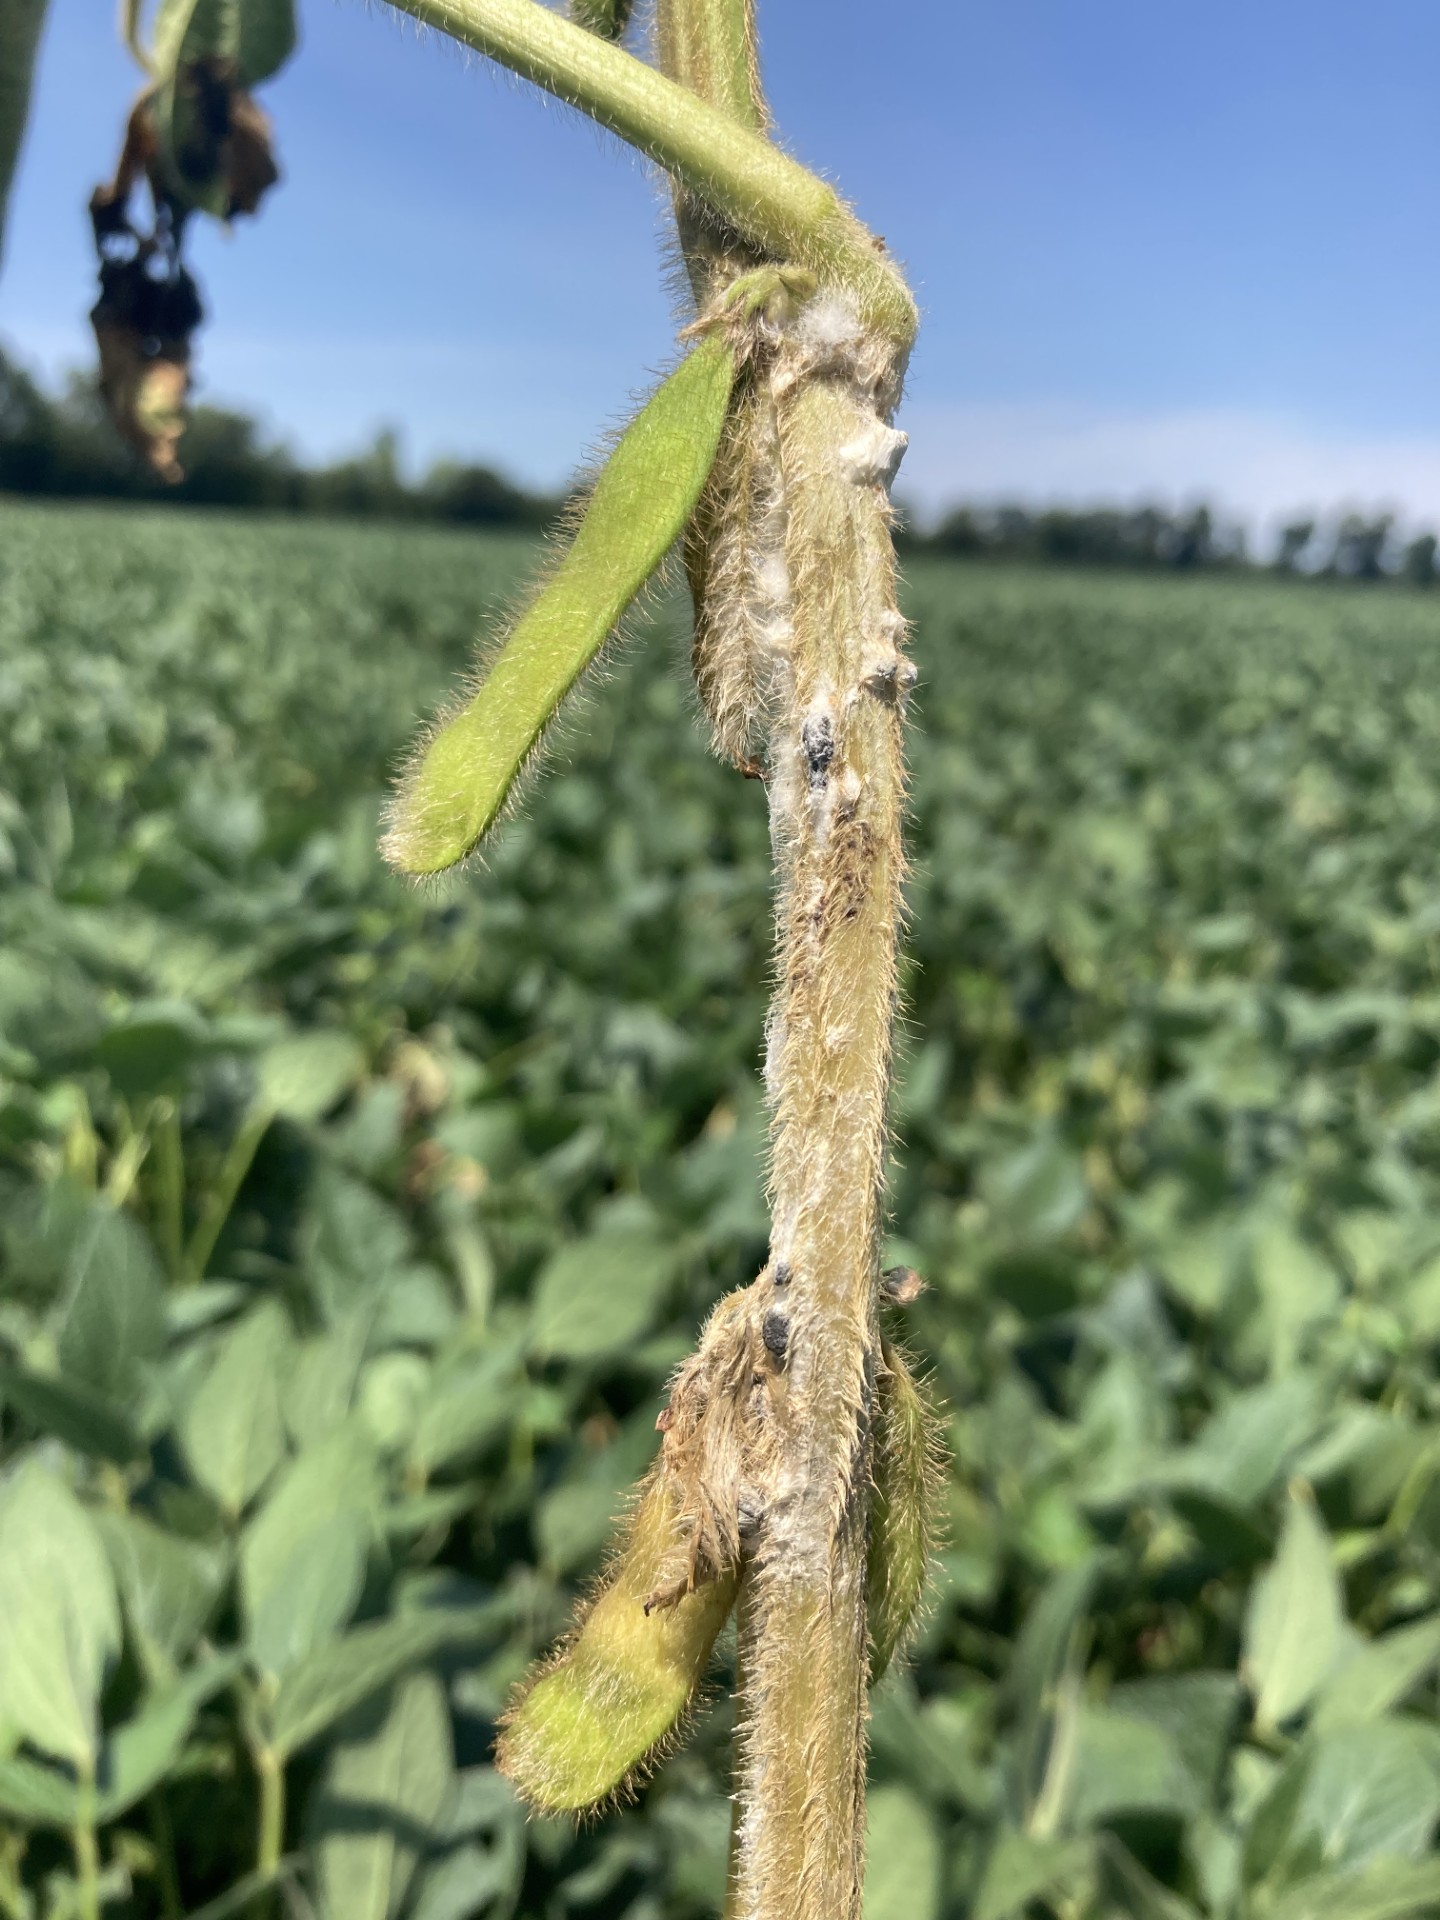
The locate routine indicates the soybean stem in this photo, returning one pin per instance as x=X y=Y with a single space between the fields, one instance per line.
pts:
x=222 y=1196
x=772 y=201
x=271 y=1770
x=86 y=1846
x=164 y=1836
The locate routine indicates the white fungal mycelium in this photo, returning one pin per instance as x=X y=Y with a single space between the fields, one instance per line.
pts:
x=804 y=659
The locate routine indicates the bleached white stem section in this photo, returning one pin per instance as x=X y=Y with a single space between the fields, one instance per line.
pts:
x=836 y=685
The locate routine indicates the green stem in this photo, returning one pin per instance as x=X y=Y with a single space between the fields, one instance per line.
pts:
x=709 y=46
x=130 y=11
x=770 y=200
x=271 y=1770
x=170 y=1186
x=221 y=1198
x=163 y=1835
x=86 y=1846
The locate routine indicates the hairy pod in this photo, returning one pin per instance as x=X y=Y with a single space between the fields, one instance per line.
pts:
x=736 y=520
x=606 y=1707
x=646 y=492
x=904 y=1508
x=608 y=18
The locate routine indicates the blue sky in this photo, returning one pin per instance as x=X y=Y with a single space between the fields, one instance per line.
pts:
x=1162 y=250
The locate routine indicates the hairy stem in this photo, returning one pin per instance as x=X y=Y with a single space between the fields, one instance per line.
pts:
x=837 y=796
x=710 y=47
x=770 y=200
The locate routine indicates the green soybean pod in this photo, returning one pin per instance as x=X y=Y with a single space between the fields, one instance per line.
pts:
x=646 y=492
x=607 y=1706
x=904 y=1508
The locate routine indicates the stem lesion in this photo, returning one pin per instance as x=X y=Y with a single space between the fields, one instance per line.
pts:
x=836 y=786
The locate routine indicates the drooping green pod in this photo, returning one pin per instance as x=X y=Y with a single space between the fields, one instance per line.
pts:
x=904 y=1509
x=606 y=1707
x=608 y=18
x=646 y=492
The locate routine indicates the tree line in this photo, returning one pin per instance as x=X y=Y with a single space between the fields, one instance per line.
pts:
x=1348 y=546
x=64 y=446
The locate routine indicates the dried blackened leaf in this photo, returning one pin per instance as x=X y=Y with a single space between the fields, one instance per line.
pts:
x=145 y=394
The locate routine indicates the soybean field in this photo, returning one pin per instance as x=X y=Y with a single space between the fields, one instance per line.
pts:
x=349 y=1232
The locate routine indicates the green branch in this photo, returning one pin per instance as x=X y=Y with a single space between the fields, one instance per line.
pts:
x=771 y=200
x=20 y=24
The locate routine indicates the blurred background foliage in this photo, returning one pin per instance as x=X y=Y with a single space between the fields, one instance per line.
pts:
x=349 y=1234
x=62 y=445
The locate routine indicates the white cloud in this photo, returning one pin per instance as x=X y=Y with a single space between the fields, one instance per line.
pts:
x=1256 y=467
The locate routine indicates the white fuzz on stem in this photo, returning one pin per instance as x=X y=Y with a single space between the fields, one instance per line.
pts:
x=835 y=681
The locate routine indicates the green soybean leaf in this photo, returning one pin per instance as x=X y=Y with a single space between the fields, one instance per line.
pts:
x=151 y=1049
x=1048 y=1647
x=1126 y=1765
x=1389 y=1890
x=382 y=1798
x=61 y=1621
x=903 y=1858
x=303 y=1077
x=302 y=1561
x=470 y=1400
x=20 y=24
x=1372 y=1793
x=1292 y=1628
x=141 y=1752
x=599 y=1294
x=84 y=1420
x=203 y=49
x=470 y=1880
x=646 y=492
x=114 y=1310
x=37 y=1795
x=168 y=1587
x=1380 y=1674
x=1021 y=1868
x=233 y=1431
x=1196 y=1711
x=335 y=1678
x=258 y=36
